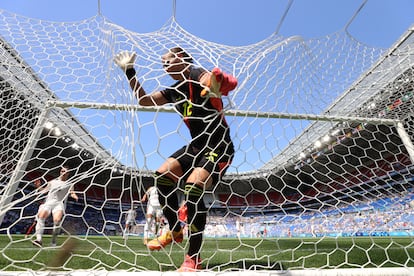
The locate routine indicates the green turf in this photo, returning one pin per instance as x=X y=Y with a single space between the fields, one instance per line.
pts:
x=112 y=253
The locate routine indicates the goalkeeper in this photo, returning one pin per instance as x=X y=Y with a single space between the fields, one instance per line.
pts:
x=196 y=96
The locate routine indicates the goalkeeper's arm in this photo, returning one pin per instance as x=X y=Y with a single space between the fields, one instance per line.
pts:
x=125 y=60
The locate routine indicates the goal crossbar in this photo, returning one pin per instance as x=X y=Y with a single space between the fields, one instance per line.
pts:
x=240 y=113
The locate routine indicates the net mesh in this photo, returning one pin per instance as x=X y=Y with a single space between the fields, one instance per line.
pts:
x=320 y=179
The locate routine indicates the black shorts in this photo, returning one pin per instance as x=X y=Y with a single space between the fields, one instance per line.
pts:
x=215 y=162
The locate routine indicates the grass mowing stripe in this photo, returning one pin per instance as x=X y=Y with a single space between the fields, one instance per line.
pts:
x=111 y=253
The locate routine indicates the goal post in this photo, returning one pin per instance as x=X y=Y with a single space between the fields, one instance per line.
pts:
x=9 y=191
x=321 y=182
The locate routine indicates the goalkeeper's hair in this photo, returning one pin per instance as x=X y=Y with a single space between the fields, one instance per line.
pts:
x=186 y=56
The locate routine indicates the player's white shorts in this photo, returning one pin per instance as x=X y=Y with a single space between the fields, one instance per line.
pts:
x=53 y=206
x=154 y=211
x=130 y=222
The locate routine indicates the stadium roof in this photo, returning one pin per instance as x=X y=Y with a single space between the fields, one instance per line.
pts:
x=24 y=93
x=385 y=75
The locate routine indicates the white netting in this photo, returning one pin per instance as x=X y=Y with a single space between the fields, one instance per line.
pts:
x=320 y=179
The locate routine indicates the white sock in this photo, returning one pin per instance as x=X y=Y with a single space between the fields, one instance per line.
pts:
x=146 y=227
x=55 y=233
x=40 y=228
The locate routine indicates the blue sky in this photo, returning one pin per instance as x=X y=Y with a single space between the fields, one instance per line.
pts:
x=230 y=22
x=235 y=22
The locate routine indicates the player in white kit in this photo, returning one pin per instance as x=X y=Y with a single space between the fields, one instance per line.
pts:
x=57 y=191
x=129 y=221
x=154 y=211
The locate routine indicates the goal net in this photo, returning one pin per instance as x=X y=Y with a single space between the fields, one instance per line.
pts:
x=321 y=178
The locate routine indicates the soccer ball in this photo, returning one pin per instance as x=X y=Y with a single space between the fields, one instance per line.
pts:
x=411 y=203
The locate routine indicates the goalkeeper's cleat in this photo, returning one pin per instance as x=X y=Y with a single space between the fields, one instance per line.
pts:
x=165 y=239
x=219 y=84
x=190 y=264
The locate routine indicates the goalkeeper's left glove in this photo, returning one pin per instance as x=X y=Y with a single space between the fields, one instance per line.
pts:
x=125 y=60
x=220 y=84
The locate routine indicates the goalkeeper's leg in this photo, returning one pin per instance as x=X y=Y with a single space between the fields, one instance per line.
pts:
x=201 y=177
x=169 y=203
x=197 y=217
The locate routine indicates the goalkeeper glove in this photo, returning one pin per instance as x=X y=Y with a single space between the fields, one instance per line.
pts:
x=125 y=60
x=228 y=82
x=219 y=84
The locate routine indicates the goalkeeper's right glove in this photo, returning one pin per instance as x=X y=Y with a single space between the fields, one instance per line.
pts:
x=125 y=60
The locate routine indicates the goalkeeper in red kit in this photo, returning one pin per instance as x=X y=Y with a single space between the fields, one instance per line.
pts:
x=196 y=96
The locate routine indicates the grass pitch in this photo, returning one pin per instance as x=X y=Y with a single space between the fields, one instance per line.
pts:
x=113 y=253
